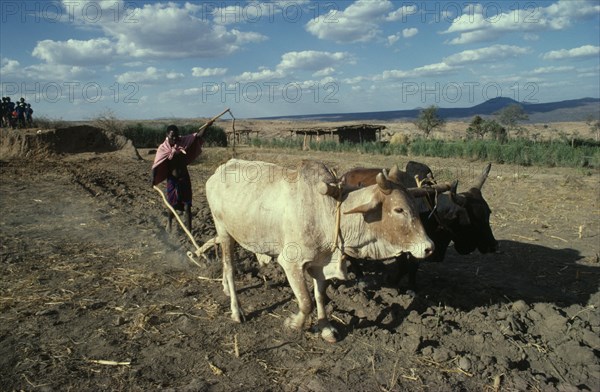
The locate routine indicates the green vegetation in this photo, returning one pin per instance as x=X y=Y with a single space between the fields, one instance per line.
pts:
x=488 y=142
x=332 y=146
x=515 y=151
x=144 y=136
x=582 y=153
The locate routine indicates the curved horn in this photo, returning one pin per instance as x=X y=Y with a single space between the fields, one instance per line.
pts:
x=429 y=190
x=484 y=175
x=394 y=174
x=329 y=190
x=333 y=190
x=385 y=173
x=383 y=183
x=456 y=198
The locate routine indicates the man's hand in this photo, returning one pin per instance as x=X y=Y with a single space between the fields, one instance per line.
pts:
x=200 y=133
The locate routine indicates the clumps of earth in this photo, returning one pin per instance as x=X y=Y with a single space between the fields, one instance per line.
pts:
x=96 y=295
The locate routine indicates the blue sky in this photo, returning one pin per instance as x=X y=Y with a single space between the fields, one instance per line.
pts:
x=75 y=59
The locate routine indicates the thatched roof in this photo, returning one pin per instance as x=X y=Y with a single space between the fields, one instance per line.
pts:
x=337 y=129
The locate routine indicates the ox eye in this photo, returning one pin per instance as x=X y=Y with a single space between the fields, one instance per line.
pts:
x=399 y=210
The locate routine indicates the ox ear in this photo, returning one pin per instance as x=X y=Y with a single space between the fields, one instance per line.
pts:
x=484 y=175
x=456 y=212
x=373 y=204
x=384 y=183
x=363 y=209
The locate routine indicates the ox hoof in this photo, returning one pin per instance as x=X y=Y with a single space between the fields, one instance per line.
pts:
x=329 y=335
x=294 y=322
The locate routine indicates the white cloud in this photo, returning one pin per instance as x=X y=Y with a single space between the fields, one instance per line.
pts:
x=492 y=53
x=317 y=62
x=9 y=67
x=324 y=72
x=75 y=52
x=436 y=69
x=410 y=32
x=477 y=24
x=455 y=62
x=392 y=39
x=57 y=72
x=402 y=13
x=312 y=60
x=162 y=29
x=547 y=70
x=169 y=30
x=531 y=37
x=585 y=51
x=203 y=72
x=150 y=75
x=259 y=76
x=359 y=22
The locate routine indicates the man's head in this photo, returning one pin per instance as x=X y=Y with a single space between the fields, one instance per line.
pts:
x=172 y=134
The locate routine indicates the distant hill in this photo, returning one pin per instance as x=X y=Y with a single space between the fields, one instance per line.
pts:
x=570 y=110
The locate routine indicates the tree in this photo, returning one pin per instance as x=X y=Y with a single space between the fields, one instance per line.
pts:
x=429 y=120
x=497 y=131
x=476 y=128
x=511 y=115
x=594 y=126
x=108 y=121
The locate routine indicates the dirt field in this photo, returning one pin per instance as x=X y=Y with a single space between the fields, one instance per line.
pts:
x=95 y=295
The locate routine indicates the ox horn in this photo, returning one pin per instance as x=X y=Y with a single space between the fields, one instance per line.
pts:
x=329 y=190
x=333 y=190
x=484 y=175
x=383 y=183
x=429 y=190
x=394 y=174
x=456 y=198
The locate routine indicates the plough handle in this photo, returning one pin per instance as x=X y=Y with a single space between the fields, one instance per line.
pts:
x=176 y=216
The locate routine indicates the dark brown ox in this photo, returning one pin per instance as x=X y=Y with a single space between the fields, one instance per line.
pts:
x=461 y=218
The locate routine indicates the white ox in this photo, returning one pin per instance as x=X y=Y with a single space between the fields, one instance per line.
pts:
x=280 y=213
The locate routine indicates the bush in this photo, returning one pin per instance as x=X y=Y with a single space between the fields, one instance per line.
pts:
x=214 y=136
x=145 y=136
x=43 y=122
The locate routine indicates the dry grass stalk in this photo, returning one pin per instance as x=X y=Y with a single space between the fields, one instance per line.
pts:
x=109 y=363
x=236 y=348
x=558 y=238
x=216 y=371
x=210 y=279
x=333 y=316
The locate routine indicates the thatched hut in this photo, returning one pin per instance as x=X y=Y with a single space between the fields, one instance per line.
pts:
x=360 y=133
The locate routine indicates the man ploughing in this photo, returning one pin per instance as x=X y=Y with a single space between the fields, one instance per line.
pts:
x=170 y=163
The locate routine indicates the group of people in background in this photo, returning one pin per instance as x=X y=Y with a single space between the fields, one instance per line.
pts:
x=16 y=114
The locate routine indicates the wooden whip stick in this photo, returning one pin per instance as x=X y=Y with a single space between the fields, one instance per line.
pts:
x=213 y=119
